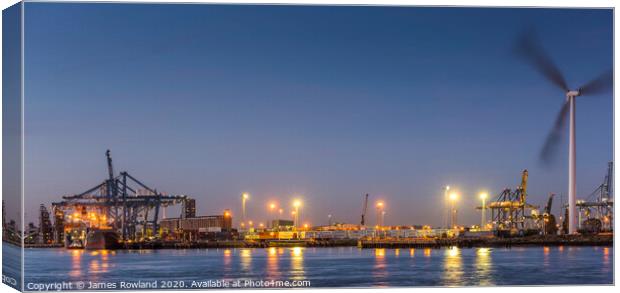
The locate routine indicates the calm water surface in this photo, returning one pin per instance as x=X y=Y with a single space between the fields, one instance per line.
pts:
x=331 y=267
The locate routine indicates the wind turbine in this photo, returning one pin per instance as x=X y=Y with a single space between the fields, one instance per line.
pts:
x=529 y=48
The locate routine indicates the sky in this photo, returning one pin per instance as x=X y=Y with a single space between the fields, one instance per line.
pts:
x=324 y=104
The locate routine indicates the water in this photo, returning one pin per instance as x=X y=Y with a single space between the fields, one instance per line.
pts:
x=330 y=267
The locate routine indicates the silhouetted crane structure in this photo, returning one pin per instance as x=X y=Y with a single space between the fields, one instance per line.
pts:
x=547 y=222
x=508 y=211
x=124 y=203
x=364 y=210
x=598 y=207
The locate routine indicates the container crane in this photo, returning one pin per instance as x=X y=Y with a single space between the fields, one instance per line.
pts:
x=508 y=211
x=121 y=202
x=549 y=223
x=364 y=209
x=598 y=207
x=549 y=203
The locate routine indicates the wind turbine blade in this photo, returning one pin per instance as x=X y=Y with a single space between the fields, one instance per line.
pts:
x=599 y=85
x=547 y=155
x=529 y=49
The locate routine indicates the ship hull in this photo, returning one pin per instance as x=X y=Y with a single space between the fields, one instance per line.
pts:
x=102 y=239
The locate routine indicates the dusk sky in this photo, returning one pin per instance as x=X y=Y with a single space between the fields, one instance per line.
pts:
x=328 y=103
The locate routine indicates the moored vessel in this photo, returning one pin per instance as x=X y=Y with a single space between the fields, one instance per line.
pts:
x=102 y=239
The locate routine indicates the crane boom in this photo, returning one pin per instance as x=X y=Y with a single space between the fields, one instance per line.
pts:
x=609 y=179
x=364 y=209
x=110 y=168
x=549 y=203
x=523 y=186
x=111 y=186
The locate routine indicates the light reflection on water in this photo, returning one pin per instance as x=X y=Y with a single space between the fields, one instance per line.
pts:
x=332 y=267
x=379 y=272
x=452 y=266
x=76 y=263
x=608 y=261
x=606 y=256
x=246 y=259
x=484 y=266
x=297 y=263
x=227 y=263
x=98 y=263
x=273 y=271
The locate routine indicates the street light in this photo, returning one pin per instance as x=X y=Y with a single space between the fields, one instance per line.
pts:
x=380 y=205
x=446 y=213
x=483 y=197
x=272 y=208
x=244 y=197
x=382 y=217
x=296 y=205
x=453 y=197
x=280 y=211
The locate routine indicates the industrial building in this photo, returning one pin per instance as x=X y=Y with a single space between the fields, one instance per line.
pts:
x=189 y=208
x=59 y=226
x=282 y=225
x=215 y=223
x=195 y=228
x=45 y=226
x=10 y=232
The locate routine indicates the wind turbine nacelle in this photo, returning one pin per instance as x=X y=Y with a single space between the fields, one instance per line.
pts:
x=572 y=93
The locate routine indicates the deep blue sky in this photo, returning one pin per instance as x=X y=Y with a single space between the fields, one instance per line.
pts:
x=326 y=102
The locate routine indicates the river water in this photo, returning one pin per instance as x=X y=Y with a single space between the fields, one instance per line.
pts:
x=322 y=267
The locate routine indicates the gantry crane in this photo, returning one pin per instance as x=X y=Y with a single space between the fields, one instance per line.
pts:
x=508 y=211
x=120 y=202
x=598 y=207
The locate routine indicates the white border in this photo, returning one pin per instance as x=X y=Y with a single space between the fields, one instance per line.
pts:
x=440 y=3
x=472 y=3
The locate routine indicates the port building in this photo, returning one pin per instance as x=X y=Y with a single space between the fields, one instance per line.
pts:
x=200 y=224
